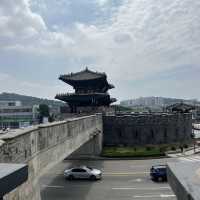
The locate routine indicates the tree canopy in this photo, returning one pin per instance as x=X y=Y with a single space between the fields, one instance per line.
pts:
x=44 y=110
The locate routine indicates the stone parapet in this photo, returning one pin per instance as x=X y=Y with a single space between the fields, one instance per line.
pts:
x=184 y=179
x=43 y=146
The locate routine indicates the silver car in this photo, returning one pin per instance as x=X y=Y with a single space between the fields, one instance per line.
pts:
x=83 y=172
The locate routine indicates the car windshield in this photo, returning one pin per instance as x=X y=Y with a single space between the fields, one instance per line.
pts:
x=89 y=167
x=162 y=169
x=159 y=167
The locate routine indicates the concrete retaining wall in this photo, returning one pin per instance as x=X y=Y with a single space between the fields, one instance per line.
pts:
x=184 y=179
x=44 y=146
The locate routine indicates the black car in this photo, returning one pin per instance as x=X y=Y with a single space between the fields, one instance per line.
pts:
x=158 y=173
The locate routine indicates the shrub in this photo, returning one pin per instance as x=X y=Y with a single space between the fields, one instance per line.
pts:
x=149 y=148
x=162 y=149
x=173 y=148
x=185 y=146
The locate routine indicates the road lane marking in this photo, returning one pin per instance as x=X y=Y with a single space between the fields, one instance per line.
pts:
x=61 y=186
x=136 y=188
x=155 y=196
x=167 y=195
x=138 y=180
x=52 y=186
x=124 y=173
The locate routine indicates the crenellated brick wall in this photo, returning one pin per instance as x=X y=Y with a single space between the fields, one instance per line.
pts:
x=143 y=129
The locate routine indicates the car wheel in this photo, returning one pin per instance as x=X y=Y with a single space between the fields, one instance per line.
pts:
x=70 y=177
x=160 y=179
x=92 y=177
x=155 y=179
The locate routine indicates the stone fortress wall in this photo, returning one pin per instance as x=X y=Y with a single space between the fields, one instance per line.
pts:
x=43 y=146
x=145 y=129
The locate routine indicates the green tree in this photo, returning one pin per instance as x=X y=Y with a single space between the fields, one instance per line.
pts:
x=43 y=111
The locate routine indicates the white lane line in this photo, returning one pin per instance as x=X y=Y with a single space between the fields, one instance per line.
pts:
x=53 y=186
x=167 y=195
x=124 y=173
x=138 y=180
x=136 y=188
x=155 y=196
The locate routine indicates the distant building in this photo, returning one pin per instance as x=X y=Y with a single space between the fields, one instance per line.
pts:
x=91 y=91
x=10 y=103
x=196 y=114
x=14 y=115
x=156 y=102
x=180 y=108
x=143 y=101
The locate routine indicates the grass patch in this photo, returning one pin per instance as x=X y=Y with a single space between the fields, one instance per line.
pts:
x=144 y=151
x=148 y=151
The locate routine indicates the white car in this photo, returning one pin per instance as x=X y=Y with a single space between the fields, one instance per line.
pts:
x=83 y=172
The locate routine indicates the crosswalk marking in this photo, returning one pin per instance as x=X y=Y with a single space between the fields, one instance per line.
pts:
x=190 y=159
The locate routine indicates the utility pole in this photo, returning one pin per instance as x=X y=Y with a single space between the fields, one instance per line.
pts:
x=194 y=141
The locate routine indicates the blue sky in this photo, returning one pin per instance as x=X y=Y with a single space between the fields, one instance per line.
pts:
x=146 y=47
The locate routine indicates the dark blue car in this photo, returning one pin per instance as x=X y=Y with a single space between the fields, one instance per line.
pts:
x=158 y=173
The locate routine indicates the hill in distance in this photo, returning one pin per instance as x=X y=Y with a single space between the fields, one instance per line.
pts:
x=29 y=100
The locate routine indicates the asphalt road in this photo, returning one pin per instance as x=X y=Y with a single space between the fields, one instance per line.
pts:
x=122 y=180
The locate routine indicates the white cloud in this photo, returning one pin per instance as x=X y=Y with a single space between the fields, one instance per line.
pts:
x=15 y=85
x=164 y=35
x=4 y=76
x=102 y=2
x=142 y=38
x=18 y=21
x=23 y=30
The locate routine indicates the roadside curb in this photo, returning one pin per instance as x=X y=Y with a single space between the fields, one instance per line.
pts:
x=117 y=158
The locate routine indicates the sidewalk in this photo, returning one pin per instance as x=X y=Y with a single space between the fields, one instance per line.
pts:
x=186 y=152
